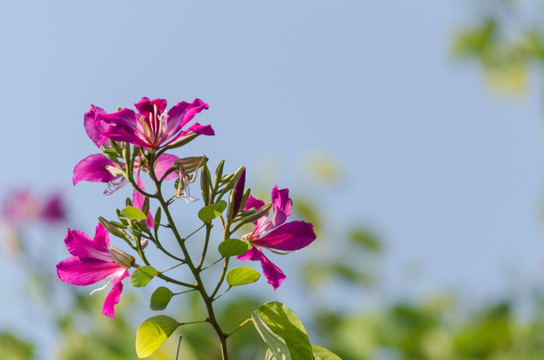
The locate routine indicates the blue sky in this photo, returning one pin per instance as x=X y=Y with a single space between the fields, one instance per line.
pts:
x=449 y=174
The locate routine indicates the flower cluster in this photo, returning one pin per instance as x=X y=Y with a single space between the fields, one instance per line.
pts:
x=134 y=144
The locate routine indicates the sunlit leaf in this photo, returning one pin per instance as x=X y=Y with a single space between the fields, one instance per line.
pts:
x=275 y=343
x=142 y=276
x=242 y=276
x=283 y=322
x=152 y=333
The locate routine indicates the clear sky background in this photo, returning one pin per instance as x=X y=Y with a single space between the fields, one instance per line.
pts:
x=450 y=175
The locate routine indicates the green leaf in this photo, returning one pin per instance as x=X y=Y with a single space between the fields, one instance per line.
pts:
x=275 y=343
x=160 y=298
x=132 y=213
x=210 y=212
x=142 y=276
x=157 y=219
x=242 y=276
x=283 y=322
x=232 y=247
x=320 y=353
x=152 y=333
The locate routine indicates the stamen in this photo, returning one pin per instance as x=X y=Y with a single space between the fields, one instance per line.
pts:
x=101 y=288
x=115 y=185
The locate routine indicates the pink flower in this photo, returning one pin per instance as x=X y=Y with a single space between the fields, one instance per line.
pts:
x=151 y=127
x=276 y=234
x=95 y=260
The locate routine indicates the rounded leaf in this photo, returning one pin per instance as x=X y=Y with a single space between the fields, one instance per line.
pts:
x=152 y=333
x=233 y=247
x=142 y=276
x=132 y=213
x=210 y=212
x=242 y=276
x=160 y=298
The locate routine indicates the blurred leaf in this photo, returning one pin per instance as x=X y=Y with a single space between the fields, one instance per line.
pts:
x=152 y=333
x=366 y=239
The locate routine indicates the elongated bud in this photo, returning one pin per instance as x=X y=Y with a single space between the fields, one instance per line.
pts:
x=191 y=164
x=236 y=195
x=121 y=257
x=115 y=171
x=257 y=214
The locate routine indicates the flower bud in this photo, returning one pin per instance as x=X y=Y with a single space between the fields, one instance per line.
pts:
x=121 y=257
x=143 y=243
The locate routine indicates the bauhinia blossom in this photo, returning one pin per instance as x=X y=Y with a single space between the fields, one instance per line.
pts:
x=95 y=260
x=151 y=127
x=275 y=234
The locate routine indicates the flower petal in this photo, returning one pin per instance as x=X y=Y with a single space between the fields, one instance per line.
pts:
x=253 y=203
x=138 y=201
x=281 y=203
x=288 y=237
x=273 y=274
x=77 y=271
x=80 y=244
x=183 y=112
x=164 y=163
x=94 y=127
x=94 y=168
x=113 y=296
x=146 y=107
x=124 y=125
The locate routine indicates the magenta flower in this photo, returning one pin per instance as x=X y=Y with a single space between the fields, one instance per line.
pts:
x=151 y=127
x=276 y=234
x=95 y=260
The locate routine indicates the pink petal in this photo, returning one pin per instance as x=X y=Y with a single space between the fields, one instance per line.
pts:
x=93 y=168
x=94 y=127
x=123 y=126
x=291 y=236
x=113 y=296
x=80 y=244
x=253 y=203
x=183 y=112
x=77 y=271
x=147 y=107
x=273 y=274
x=164 y=163
x=281 y=205
x=138 y=201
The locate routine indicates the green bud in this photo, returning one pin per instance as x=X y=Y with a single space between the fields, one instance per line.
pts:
x=256 y=215
x=121 y=257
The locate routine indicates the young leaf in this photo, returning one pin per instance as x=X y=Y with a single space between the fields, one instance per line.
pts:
x=210 y=212
x=275 y=343
x=132 y=213
x=160 y=298
x=242 y=276
x=283 y=322
x=152 y=333
x=320 y=353
x=142 y=276
x=232 y=247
